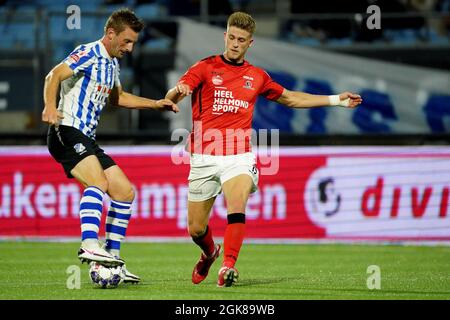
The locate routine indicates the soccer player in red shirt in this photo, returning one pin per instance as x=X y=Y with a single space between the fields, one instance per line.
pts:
x=224 y=89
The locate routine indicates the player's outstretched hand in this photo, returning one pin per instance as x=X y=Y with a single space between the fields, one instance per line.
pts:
x=166 y=104
x=350 y=100
x=183 y=89
x=51 y=115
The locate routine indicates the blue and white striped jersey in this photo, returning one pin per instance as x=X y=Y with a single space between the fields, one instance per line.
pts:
x=84 y=95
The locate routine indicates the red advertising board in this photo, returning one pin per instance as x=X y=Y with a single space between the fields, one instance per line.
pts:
x=319 y=193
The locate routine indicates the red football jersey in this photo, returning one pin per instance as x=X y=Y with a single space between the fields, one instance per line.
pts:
x=223 y=99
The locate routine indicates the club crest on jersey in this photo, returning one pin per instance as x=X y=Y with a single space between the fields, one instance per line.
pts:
x=217 y=80
x=79 y=148
x=248 y=85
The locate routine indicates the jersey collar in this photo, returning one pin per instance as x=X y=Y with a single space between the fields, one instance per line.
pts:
x=103 y=50
x=231 y=63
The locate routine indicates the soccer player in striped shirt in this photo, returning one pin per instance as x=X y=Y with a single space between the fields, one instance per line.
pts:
x=88 y=77
x=224 y=90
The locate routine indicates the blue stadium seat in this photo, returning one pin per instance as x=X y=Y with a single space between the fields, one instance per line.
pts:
x=18 y=35
x=160 y=43
x=8 y=39
x=271 y=115
x=90 y=5
x=436 y=38
x=21 y=3
x=91 y=29
x=375 y=105
x=58 y=28
x=60 y=52
x=437 y=111
x=148 y=11
x=108 y=9
x=52 y=5
x=317 y=115
x=17 y=26
x=62 y=5
x=402 y=36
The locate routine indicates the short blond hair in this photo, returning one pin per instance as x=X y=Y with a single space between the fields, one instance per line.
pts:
x=242 y=21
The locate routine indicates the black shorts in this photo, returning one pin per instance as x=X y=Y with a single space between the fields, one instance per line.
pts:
x=69 y=146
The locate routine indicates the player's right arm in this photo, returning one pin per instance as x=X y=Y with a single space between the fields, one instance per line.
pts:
x=52 y=81
x=187 y=83
x=178 y=92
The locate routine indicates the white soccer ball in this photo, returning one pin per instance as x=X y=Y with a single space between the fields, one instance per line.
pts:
x=106 y=277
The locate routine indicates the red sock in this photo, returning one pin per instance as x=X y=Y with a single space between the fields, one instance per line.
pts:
x=234 y=236
x=205 y=242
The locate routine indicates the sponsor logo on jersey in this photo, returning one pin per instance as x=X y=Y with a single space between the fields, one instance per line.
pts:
x=75 y=57
x=101 y=94
x=217 y=80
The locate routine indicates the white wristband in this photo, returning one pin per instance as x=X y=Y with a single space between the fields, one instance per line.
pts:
x=335 y=100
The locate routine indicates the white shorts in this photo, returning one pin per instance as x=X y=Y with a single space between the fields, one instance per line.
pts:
x=208 y=173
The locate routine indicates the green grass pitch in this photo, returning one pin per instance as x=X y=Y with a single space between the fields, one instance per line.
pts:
x=37 y=270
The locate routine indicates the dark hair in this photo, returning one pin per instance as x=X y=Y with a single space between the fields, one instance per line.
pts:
x=122 y=18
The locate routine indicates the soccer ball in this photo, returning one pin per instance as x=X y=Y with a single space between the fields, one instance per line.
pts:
x=106 y=277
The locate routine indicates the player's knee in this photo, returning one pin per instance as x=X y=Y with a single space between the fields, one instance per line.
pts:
x=196 y=230
x=129 y=195
x=236 y=206
x=102 y=184
x=125 y=194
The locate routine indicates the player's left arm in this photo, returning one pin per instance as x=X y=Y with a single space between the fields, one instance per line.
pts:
x=127 y=100
x=297 y=99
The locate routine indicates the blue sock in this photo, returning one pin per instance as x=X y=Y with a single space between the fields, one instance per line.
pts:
x=119 y=214
x=91 y=207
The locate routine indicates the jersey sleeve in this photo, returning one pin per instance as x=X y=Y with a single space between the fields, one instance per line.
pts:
x=271 y=90
x=194 y=76
x=80 y=59
x=116 y=75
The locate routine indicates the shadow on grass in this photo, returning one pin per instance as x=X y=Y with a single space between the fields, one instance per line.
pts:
x=255 y=282
x=384 y=292
x=324 y=291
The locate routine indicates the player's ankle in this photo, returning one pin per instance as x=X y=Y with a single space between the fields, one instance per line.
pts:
x=229 y=263
x=90 y=244
x=210 y=252
x=114 y=252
